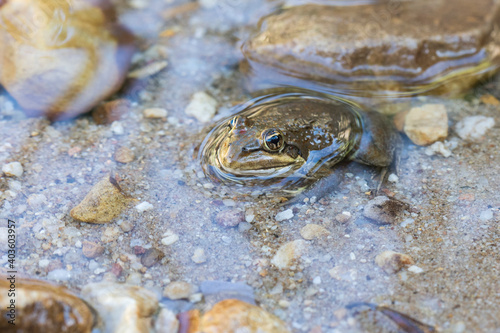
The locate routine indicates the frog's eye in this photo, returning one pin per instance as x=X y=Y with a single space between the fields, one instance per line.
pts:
x=274 y=140
x=232 y=123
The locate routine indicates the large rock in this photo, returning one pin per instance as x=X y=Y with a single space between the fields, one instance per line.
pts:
x=125 y=308
x=232 y=315
x=60 y=57
x=403 y=46
x=41 y=307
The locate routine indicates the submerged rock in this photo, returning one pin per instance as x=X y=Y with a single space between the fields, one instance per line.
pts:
x=393 y=262
x=232 y=315
x=125 y=308
x=426 y=124
x=377 y=48
x=102 y=204
x=42 y=307
x=68 y=59
x=384 y=210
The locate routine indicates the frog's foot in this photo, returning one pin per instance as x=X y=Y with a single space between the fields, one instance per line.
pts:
x=324 y=186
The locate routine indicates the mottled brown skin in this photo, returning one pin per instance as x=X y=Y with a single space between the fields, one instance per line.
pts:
x=317 y=134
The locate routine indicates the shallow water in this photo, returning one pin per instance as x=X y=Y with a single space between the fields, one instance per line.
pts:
x=452 y=234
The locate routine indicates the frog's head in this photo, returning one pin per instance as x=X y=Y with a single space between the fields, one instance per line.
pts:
x=239 y=149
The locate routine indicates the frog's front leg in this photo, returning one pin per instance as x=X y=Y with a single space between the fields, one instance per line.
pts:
x=380 y=144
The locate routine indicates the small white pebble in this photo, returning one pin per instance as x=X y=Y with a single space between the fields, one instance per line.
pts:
x=473 y=128
x=393 y=178
x=144 y=206
x=317 y=280
x=14 y=169
x=284 y=303
x=438 y=148
x=169 y=240
x=352 y=256
x=117 y=128
x=202 y=107
x=486 y=215
x=415 y=269
x=155 y=113
x=43 y=263
x=284 y=215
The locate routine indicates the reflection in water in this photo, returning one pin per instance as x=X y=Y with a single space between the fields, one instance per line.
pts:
x=61 y=57
x=392 y=49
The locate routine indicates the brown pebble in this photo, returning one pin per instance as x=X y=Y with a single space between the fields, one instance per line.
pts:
x=111 y=111
x=489 y=100
x=229 y=218
x=124 y=155
x=385 y=210
x=139 y=250
x=151 y=257
x=426 y=124
x=116 y=269
x=392 y=262
x=104 y=202
x=92 y=250
x=232 y=315
x=342 y=218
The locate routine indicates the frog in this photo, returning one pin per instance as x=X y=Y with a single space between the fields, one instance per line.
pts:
x=286 y=142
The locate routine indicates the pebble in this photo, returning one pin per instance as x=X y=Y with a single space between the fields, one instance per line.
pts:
x=344 y=217
x=438 y=148
x=55 y=87
x=45 y=308
x=392 y=262
x=169 y=238
x=104 y=202
x=288 y=253
x=199 y=256
x=148 y=70
x=124 y=155
x=202 y=107
x=126 y=226
x=179 y=290
x=229 y=218
x=151 y=257
x=117 y=128
x=92 y=250
x=110 y=234
x=143 y=206
x=426 y=124
x=393 y=178
x=13 y=169
x=166 y=322
x=312 y=231
x=415 y=269
x=155 y=113
x=126 y=308
x=486 y=215
x=384 y=210
x=284 y=215
x=37 y=201
x=111 y=111
x=232 y=315
x=474 y=128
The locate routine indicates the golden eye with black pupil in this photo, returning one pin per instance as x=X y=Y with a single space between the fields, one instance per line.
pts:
x=273 y=140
